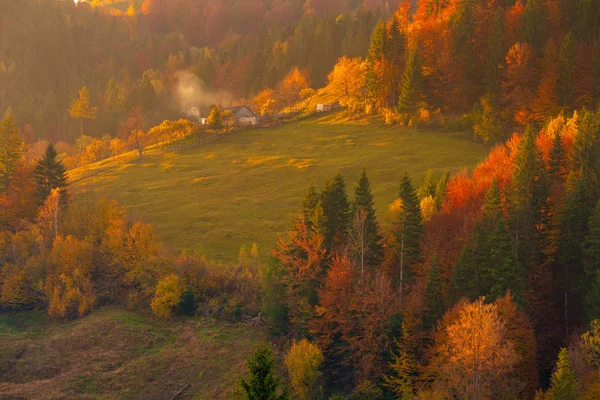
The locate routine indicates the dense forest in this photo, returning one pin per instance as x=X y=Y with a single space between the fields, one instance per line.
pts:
x=485 y=285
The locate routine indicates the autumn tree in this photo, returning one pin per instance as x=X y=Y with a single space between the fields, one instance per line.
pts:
x=472 y=353
x=10 y=150
x=346 y=81
x=265 y=102
x=307 y=95
x=80 y=108
x=564 y=381
x=133 y=130
x=403 y=367
x=303 y=362
x=215 y=118
x=291 y=86
x=167 y=296
x=591 y=261
x=263 y=384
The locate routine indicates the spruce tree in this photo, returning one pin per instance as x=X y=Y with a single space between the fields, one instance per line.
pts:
x=586 y=151
x=336 y=209
x=556 y=163
x=495 y=59
x=363 y=200
x=440 y=189
x=535 y=24
x=428 y=186
x=187 y=303
x=263 y=384
x=50 y=174
x=408 y=229
x=564 y=381
x=410 y=84
x=376 y=60
x=434 y=300
x=592 y=266
x=572 y=233
x=403 y=366
x=11 y=148
x=568 y=56
x=309 y=204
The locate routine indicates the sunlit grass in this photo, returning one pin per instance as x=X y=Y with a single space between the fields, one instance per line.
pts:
x=244 y=188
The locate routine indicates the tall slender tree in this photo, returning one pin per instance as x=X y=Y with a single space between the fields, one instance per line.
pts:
x=336 y=208
x=50 y=174
x=11 y=150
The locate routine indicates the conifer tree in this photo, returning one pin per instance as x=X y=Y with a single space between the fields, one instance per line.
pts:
x=573 y=230
x=263 y=384
x=50 y=174
x=428 y=186
x=440 y=189
x=592 y=266
x=564 y=381
x=556 y=163
x=363 y=200
x=375 y=82
x=336 y=209
x=568 y=56
x=433 y=296
x=403 y=366
x=535 y=24
x=309 y=204
x=586 y=151
x=410 y=85
x=11 y=150
x=407 y=230
x=495 y=59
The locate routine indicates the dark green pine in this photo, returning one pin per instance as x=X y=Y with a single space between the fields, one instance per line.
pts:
x=50 y=174
x=411 y=222
x=336 y=208
x=592 y=266
x=263 y=384
x=363 y=200
x=433 y=296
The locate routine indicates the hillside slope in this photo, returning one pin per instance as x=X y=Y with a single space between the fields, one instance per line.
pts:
x=244 y=188
x=116 y=354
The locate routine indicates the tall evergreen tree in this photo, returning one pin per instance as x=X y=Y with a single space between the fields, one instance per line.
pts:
x=495 y=59
x=586 y=151
x=535 y=24
x=263 y=384
x=363 y=200
x=568 y=57
x=557 y=161
x=377 y=60
x=564 y=381
x=592 y=266
x=440 y=189
x=407 y=230
x=336 y=209
x=410 y=85
x=434 y=300
x=462 y=26
x=50 y=174
x=309 y=205
x=11 y=147
x=403 y=366
x=573 y=231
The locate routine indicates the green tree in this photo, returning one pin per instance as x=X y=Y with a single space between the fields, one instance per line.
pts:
x=535 y=24
x=11 y=150
x=377 y=61
x=410 y=84
x=440 y=189
x=403 y=367
x=363 y=200
x=336 y=209
x=50 y=174
x=215 y=118
x=586 y=151
x=407 y=230
x=263 y=383
x=557 y=161
x=592 y=265
x=80 y=108
x=303 y=362
x=563 y=382
x=309 y=205
x=274 y=294
x=187 y=302
x=568 y=57
x=434 y=300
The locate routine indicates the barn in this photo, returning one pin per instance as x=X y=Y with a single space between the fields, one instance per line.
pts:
x=244 y=115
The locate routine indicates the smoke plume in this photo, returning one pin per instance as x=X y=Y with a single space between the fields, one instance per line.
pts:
x=193 y=98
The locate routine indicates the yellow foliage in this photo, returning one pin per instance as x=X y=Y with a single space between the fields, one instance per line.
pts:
x=13 y=291
x=166 y=296
x=428 y=208
x=303 y=361
x=69 y=296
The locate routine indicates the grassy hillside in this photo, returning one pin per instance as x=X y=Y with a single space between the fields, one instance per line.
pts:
x=119 y=355
x=244 y=188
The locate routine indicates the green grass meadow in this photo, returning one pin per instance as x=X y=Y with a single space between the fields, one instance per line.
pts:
x=245 y=187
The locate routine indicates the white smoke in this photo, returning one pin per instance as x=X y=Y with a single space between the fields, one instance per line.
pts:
x=192 y=96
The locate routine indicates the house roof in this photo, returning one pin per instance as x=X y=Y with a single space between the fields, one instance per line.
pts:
x=236 y=109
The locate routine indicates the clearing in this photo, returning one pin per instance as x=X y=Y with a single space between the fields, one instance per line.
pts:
x=115 y=354
x=245 y=187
